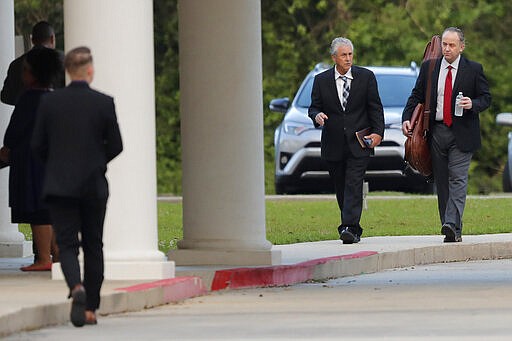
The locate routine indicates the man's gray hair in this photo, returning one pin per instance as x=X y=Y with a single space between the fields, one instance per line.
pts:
x=340 y=41
x=456 y=30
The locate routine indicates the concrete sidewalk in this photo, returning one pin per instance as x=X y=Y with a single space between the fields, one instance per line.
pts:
x=33 y=300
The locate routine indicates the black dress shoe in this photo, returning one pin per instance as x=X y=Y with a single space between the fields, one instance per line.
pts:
x=456 y=240
x=451 y=235
x=77 y=314
x=349 y=237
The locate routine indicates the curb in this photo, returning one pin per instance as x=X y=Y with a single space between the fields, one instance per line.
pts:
x=278 y=275
x=355 y=264
x=133 y=298
x=151 y=294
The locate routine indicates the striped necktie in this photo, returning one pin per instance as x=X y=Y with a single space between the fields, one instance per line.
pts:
x=346 y=90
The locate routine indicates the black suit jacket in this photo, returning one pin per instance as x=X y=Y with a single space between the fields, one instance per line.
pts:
x=13 y=84
x=364 y=109
x=76 y=135
x=471 y=81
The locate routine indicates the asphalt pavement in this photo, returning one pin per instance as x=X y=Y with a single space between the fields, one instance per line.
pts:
x=443 y=301
x=32 y=300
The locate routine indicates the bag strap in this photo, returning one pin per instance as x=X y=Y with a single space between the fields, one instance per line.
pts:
x=432 y=52
x=426 y=112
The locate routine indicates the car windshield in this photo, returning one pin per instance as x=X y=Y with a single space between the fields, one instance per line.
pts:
x=394 y=90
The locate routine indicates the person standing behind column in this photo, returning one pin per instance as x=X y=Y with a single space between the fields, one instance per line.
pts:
x=453 y=139
x=26 y=173
x=43 y=35
x=345 y=99
x=77 y=127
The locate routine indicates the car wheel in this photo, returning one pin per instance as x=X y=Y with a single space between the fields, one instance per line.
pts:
x=280 y=189
x=429 y=188
x=422 y=188
x=507 y=185
x=419 y=184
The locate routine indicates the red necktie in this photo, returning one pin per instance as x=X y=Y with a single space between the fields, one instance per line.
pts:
x=447 y=104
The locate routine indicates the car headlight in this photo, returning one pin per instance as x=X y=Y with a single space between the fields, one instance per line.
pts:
x=295 y=128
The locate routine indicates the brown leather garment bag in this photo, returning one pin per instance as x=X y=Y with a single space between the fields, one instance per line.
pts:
x=417 y=151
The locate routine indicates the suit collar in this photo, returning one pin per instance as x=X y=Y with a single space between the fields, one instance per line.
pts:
x=79 y=84
x=455 y=64
x=354 y=70
x=460 y=74
x=348 y=74
x=461 y=65
x=332 y=86
x=435 y=76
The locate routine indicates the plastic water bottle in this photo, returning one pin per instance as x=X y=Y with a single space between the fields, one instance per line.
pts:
x=458 y=108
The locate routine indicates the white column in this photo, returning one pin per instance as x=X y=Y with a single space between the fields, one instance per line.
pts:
x=12 y=242
x=222 y=135
x=120 y=35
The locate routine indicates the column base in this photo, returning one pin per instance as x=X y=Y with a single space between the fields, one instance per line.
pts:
x=15 y=250
x=132 y=270
x=221 y=257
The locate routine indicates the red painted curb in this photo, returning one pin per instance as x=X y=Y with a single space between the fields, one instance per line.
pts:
x=174 y=289
x=274 y=275
x=180 y=288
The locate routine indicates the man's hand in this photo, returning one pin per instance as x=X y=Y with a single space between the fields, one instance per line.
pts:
x=406 y=128
x=466 y=103
x=320 y=118
x=376 y=140
x=4 y=154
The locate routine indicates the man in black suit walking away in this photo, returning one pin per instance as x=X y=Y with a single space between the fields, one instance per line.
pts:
x=455 y=128
x=43 y=35
x=344 y=100
x=76 y=135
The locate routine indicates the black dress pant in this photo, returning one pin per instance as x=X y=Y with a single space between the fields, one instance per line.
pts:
x=79 y=222
x=348 y=176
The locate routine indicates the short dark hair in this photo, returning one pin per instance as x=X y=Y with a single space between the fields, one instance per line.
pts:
x=44 y=64
x=42 y=32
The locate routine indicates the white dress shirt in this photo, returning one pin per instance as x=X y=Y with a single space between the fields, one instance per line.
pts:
x=443 y=71
x=340 y=82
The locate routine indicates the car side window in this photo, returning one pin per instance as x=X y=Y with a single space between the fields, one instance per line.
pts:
x=394 y=90
x=304 y=98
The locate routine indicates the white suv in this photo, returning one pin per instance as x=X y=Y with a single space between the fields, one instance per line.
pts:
x=505 y=119
x=299 y=168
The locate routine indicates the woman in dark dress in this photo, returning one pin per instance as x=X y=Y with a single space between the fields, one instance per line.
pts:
x=41 y=66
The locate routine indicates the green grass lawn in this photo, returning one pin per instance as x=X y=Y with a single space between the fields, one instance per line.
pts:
x=302 y=221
